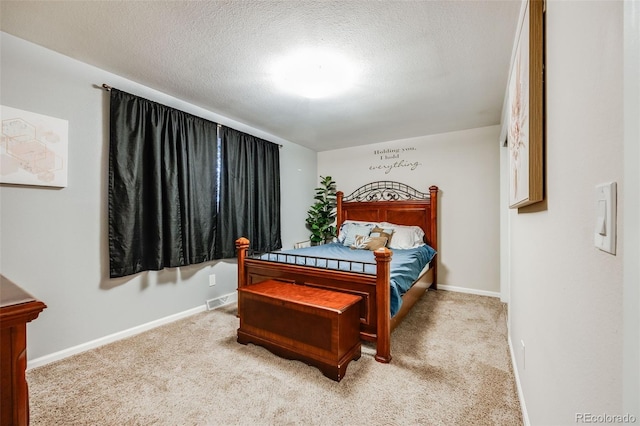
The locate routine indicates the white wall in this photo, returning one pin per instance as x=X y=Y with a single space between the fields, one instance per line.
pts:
x=631 y=211
x=54 y=241
x=566 y=295
x=465 y=166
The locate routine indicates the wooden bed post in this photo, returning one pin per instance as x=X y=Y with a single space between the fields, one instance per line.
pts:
x=383 y=304
x=242 y=245
x=433 y=223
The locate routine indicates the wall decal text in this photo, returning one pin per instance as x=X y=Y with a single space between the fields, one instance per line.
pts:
x=390 y=158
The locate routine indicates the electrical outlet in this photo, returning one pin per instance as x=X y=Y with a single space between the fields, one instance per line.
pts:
x=212 y=280
x=524 y=363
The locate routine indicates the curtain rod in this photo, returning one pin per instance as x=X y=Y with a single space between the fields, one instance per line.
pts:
x=108 y=89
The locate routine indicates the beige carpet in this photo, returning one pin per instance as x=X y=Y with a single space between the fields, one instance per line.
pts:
x=451 y=366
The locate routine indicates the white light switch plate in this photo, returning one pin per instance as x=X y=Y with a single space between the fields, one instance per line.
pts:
x=605 y=224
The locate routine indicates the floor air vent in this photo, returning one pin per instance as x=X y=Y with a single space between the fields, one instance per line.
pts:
x=221 y=301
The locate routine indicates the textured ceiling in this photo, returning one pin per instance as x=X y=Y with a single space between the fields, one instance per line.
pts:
x=426 y=67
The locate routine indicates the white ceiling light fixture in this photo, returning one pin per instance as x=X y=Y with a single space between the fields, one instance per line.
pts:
x=314 y=74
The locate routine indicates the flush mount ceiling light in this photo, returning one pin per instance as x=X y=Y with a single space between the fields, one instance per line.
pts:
x=314 y=74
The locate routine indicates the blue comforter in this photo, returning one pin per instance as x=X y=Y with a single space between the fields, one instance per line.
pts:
x=406 y=265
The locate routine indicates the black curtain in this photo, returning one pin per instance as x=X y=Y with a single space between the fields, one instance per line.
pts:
x=162 y=186
x=249 y=193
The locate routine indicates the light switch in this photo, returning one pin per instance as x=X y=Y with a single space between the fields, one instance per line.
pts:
x=601 y=221
x=605 y=229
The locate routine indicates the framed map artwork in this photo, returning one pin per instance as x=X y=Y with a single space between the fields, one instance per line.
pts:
x=33 y=148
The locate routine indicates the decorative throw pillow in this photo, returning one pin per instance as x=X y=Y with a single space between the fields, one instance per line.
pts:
x=342 y=232
x=382 y=232
x=354 y=230
x=365 y=242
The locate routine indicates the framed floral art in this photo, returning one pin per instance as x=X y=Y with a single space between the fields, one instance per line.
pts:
x=525 y=135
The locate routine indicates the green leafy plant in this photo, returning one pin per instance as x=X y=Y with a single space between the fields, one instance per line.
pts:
x=322 y=214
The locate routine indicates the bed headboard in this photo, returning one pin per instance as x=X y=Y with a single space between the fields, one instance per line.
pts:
x=388 y=201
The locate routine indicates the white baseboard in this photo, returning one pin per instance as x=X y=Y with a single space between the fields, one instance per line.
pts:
x=523 y=406
x=56 y=356
x=468 y=290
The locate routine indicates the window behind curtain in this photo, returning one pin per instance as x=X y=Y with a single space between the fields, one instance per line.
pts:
x=249 y=193
x=162 y=186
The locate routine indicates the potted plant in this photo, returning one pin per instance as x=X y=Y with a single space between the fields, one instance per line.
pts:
x=322 y=214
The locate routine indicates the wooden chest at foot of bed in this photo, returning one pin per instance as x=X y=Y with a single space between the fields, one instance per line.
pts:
x=316 y=326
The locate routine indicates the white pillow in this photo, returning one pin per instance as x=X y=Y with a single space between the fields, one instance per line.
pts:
x=404 y=236
x=342 y=232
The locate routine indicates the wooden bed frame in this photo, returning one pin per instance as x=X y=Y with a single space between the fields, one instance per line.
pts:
x=384 y=201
